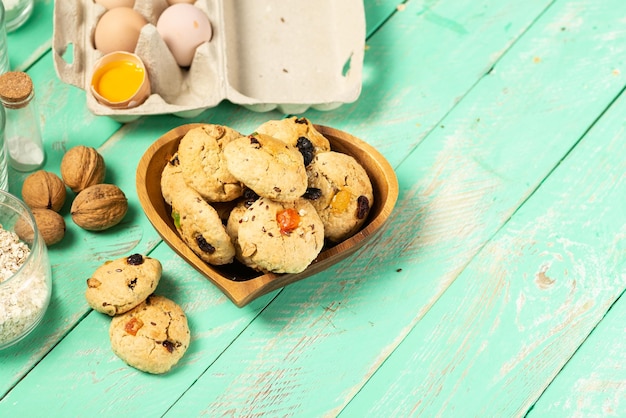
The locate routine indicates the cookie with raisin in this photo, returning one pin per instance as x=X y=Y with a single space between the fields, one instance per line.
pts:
x=152 y=337
x=268 y=166
x=298 y=132
x=119 y=285
x=201 y=228
x=235 y=218
x=344 y=194
x=172 y=181
x=202 y=162
x=279 y=237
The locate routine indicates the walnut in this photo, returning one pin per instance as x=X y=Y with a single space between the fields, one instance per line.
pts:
x=99 y=207
x=50 y=224
x=44 y=190
x=82 y=167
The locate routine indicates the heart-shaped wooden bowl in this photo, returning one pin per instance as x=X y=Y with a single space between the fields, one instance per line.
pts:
x=238 y=282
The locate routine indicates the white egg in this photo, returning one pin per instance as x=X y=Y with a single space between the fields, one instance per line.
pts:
x=184 y=27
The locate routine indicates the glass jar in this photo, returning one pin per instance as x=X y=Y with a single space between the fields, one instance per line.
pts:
x=17 y=12
x=22 y=131
x=25 y=273
x=4 y=53
x=4 y=163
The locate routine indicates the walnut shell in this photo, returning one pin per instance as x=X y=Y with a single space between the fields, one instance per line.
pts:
x=99 y=207
x=44 y=190
x=82 y=167
x=50 y=224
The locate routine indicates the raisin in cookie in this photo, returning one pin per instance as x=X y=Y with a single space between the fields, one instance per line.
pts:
x=119 y=285
x=268 y=166
x=202 y=162
x=200 y=226
x=345 y=196
x=279 y=237
x=152 y=337
x=297 y=132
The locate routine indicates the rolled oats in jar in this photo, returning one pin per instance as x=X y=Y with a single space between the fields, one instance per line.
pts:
x=25 y=274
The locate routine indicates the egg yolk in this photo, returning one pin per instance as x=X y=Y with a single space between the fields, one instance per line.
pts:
x=118 y=81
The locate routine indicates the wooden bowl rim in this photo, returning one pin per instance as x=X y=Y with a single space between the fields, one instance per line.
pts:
x=243 y=292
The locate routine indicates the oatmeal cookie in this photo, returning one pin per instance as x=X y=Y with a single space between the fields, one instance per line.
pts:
x=279 y=237
x=152 y=337
x=119 y=285
x=202 y=162
x=172 y=181
x=297 y=132
x=235 y=219
x=268 y=166
x=200 y=226
x=345 y=193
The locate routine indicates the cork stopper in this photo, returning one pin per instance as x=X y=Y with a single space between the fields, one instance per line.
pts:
x=16 y=89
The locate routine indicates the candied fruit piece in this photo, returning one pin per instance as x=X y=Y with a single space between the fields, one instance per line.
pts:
x=176 y=218
x=288 y=220
x=133 y=326
x=340 y=201
x=93 y=283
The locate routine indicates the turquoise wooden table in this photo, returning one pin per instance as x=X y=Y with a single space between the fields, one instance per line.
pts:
x=496 y=288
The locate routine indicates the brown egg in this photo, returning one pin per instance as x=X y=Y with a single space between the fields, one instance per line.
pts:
x=181 y=1
x=118 y=30
x=110 y=4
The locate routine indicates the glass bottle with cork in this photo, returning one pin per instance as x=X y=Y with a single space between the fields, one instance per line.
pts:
x=4 y=67
x=22 y=131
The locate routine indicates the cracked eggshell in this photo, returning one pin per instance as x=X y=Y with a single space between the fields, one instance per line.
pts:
x=139 y=96
x=184 y=27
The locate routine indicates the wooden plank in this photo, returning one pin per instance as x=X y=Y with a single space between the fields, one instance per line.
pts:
x=491 y=153
x=94 y=381
x=376 y=13
x=66 y=122
x=136 y=136
x=422 y=63
x=514 y=317
x=593 y=382
x=73 y=260
x=81 y=252
x=29 y=42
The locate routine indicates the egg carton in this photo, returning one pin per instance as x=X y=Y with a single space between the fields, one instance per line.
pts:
x=263 y=55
